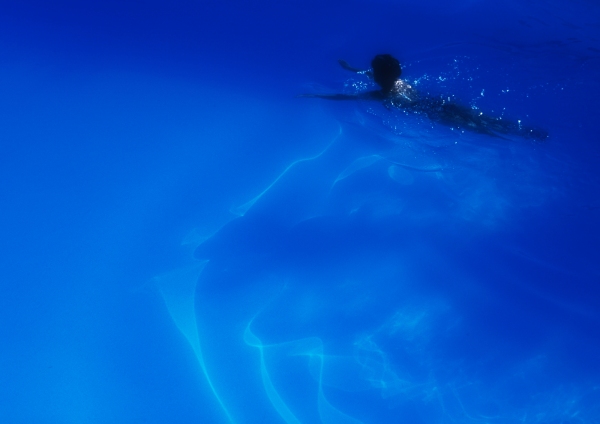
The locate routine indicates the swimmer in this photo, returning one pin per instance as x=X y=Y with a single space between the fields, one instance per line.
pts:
x=385 y=71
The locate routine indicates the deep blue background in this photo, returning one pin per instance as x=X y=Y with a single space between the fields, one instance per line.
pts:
x=394 y=272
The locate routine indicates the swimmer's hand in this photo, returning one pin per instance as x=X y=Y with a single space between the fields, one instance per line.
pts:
x=307 y=95
x=347 y=66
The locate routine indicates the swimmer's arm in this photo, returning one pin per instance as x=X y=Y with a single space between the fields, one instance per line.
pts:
x=331 y=96
x=370 y=95
x=347 y=67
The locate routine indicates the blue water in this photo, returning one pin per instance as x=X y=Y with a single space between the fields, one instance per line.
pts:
x=184 y=240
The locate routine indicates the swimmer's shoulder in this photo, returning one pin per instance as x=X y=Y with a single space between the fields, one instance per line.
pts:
x=405 y=92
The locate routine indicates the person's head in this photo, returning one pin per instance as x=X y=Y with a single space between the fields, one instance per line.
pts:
x=386 y=71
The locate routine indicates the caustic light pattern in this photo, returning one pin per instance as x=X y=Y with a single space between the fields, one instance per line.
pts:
x=338 y=294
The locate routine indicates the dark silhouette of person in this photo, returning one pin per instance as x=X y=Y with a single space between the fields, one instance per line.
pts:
x=395 y=92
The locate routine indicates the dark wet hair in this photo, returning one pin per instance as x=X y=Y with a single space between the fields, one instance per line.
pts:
x=386 y=70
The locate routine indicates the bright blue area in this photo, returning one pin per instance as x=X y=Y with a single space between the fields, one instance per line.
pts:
x=183 y=240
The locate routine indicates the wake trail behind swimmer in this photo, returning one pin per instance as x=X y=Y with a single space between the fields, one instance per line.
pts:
x=395 y=92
